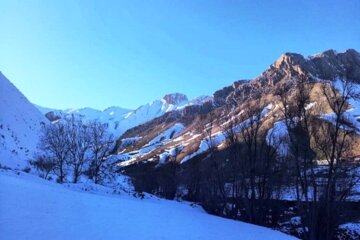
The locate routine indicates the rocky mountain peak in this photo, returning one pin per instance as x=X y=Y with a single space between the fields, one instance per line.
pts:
x=175 y=98
x=289 y=59
x=328 y=65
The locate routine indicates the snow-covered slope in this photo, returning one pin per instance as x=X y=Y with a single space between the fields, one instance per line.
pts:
x=51 y=211
x=120 y=119
x=20 y=124
x=149 y=111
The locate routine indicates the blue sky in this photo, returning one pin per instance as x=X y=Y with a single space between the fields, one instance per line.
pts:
x=71 y=53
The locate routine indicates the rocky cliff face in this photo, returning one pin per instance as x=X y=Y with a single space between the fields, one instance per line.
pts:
x=328 y=65
x=331 y=65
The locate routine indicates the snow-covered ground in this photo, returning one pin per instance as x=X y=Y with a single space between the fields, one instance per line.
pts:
x=33 y=208
x=351 y=228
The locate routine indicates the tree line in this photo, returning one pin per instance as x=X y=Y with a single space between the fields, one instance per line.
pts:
x=72 y=147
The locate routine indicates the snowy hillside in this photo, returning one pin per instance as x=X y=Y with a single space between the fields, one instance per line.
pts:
x=51 y=211
x=120 y=119
x=20 y=123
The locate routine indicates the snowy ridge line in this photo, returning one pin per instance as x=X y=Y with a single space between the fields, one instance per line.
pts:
x=119 y=119
x=20 y=126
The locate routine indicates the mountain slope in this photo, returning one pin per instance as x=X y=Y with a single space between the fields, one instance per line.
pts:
x=230 y=102
x=69 y=214
x=20 y=124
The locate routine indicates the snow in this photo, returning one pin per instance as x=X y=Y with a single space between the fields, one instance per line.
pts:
x=163 y=157
x=32 y=208
x=20 y=126
x=158 y=141
x=289 y=193
x=352 y=114
x=166 y=135
x=351 y=227
x=172 y=152
x=277 y=137
x=203 y=147
x=125 y=142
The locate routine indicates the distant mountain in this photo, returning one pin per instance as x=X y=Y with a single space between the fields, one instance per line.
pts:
x=121 y=119
x=20 y=124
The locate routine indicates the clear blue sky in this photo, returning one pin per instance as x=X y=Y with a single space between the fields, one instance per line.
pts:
x=69 y=53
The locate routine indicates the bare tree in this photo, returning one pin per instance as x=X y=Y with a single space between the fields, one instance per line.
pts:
x=212 y=181
x=44 y=165
x=251 y=120
x=232 y=143
x=101 y=145
x=54 y=144
x=78 y=137
x=252 y=169
x=309 y=137
x=74 y=144
x=334 y=140
x=298 y=119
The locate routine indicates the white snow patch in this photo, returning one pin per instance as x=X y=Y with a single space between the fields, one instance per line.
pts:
x=125 y=142
x=351 y=227
x=168 y=134
x=277 y=137
x=352 y=114
x=160 y=140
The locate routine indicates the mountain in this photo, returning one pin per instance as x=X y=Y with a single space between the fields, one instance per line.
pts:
x=120 y=119
x=230 y=102
x=20 y=124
